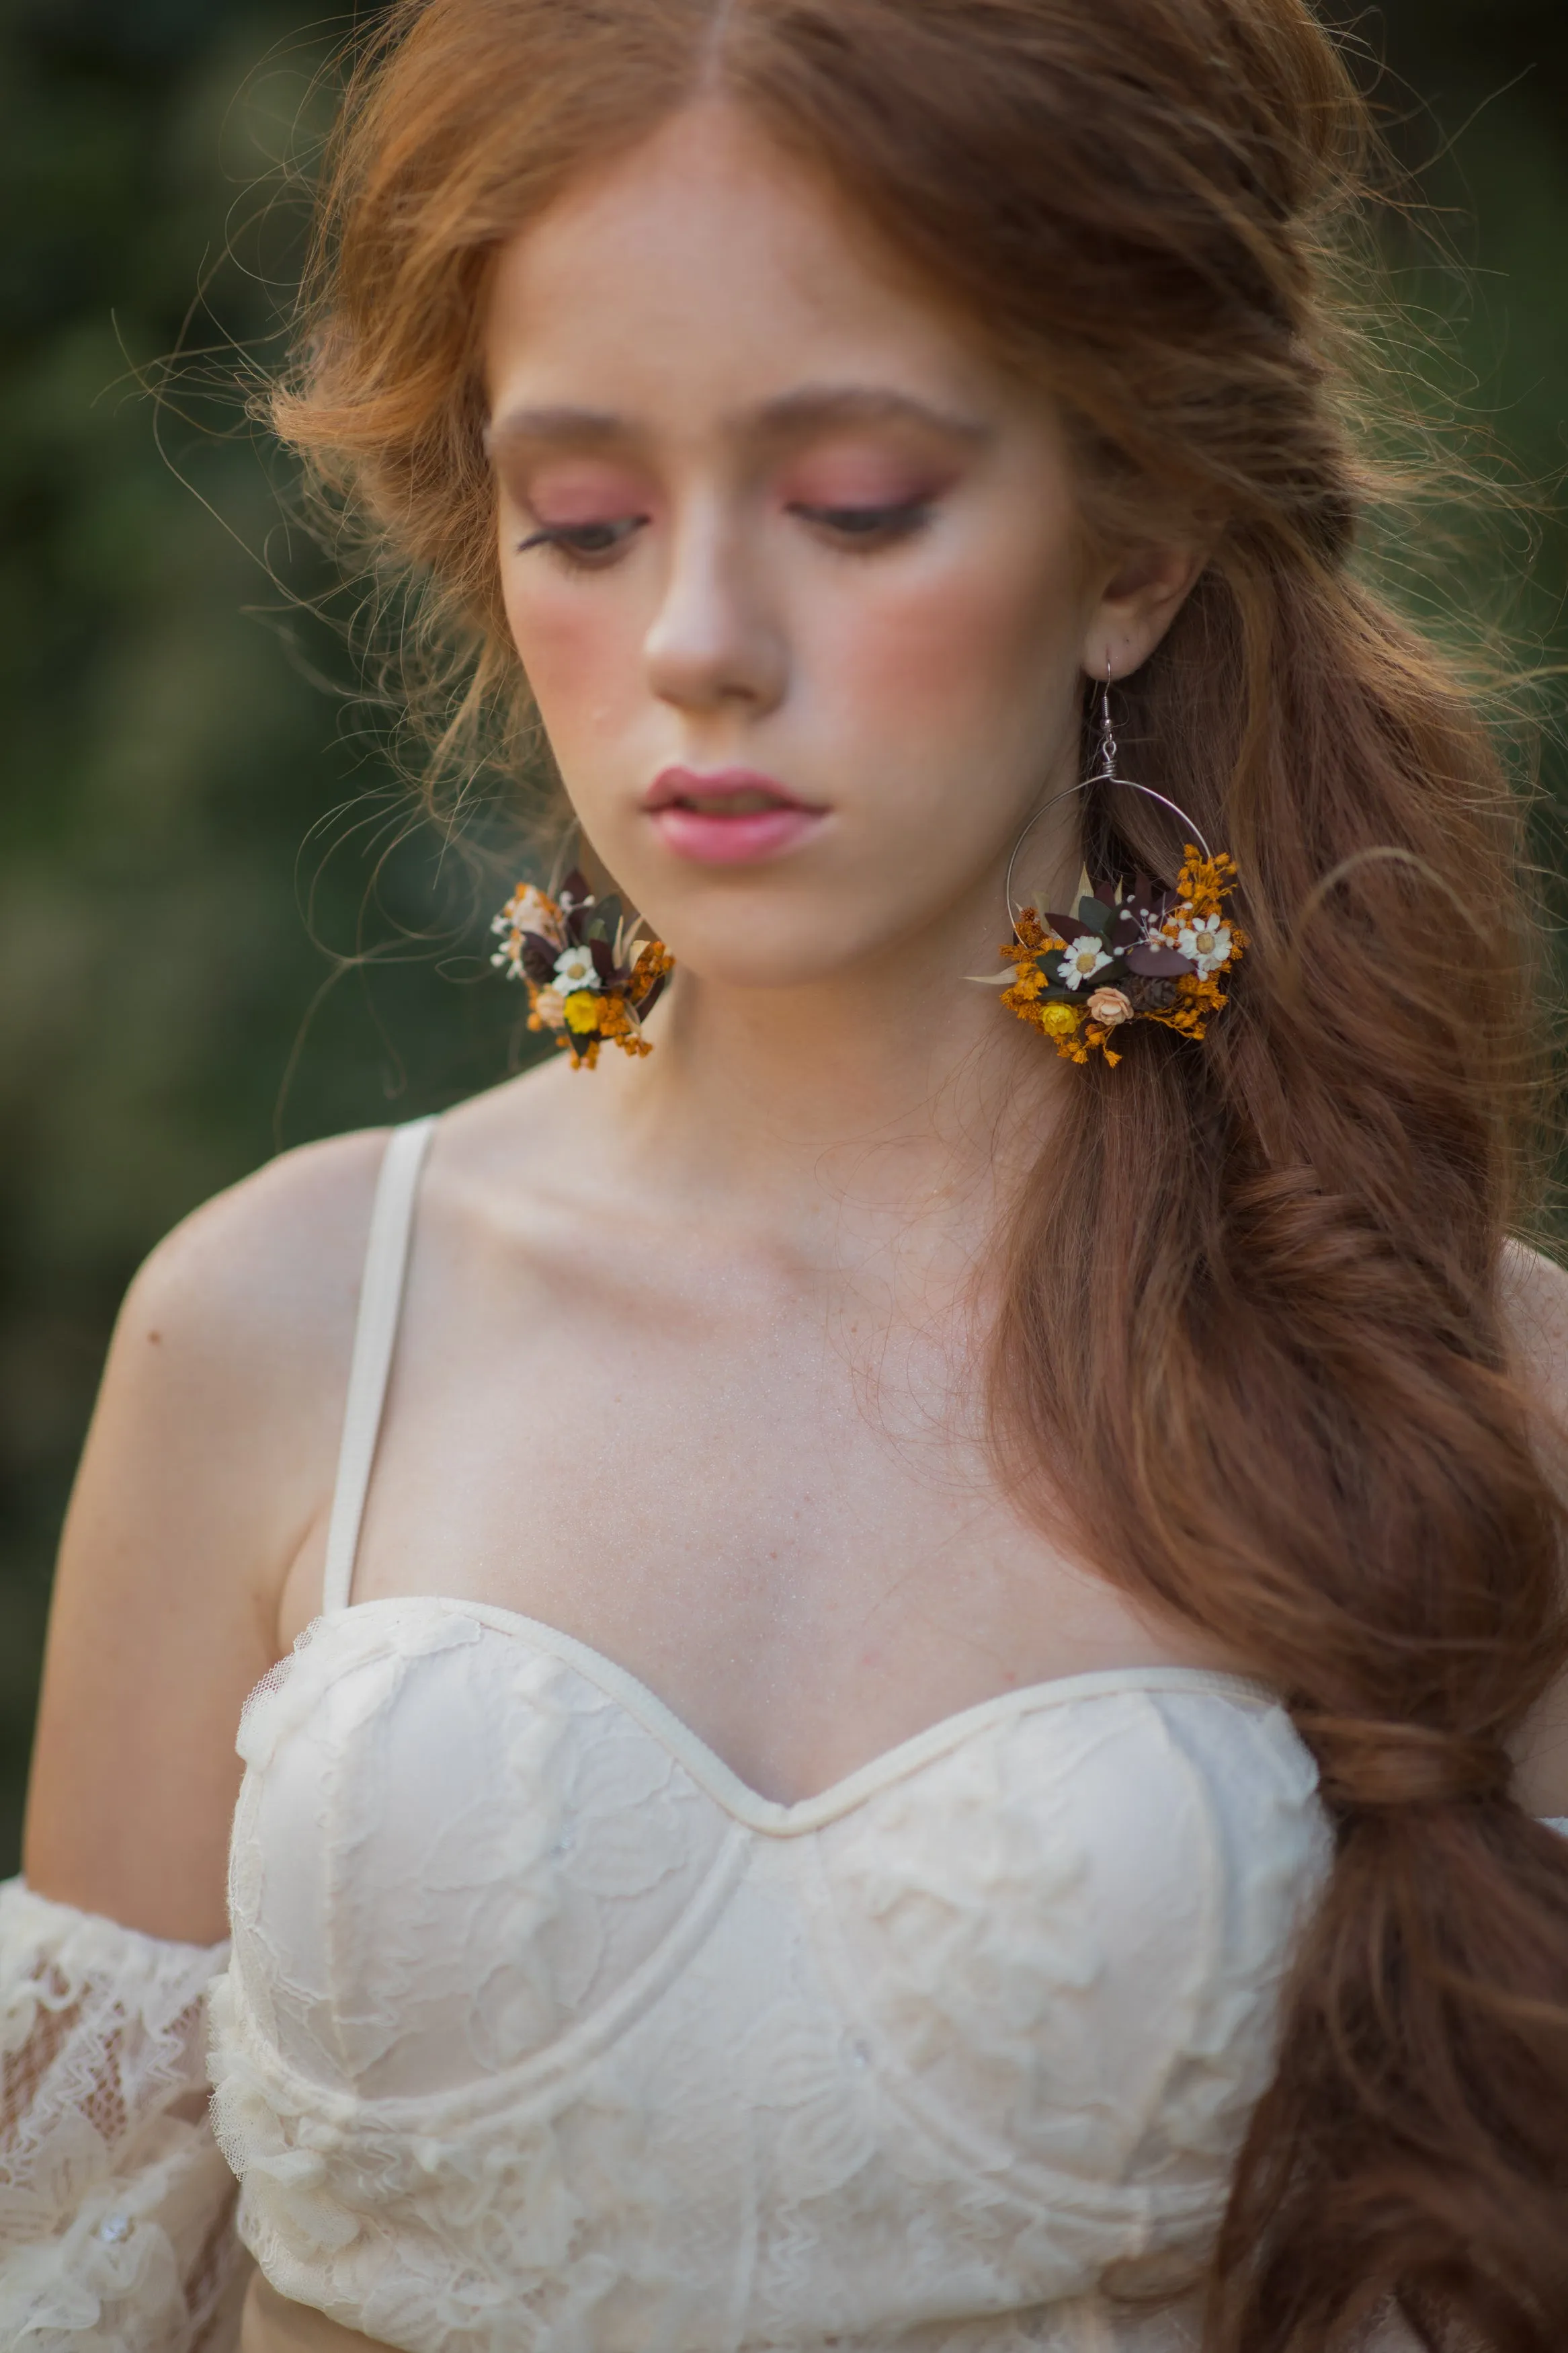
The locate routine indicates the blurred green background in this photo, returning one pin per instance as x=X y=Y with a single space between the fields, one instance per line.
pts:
x=220 y=932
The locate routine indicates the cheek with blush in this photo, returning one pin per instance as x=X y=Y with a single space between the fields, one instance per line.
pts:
x=578 y=656
x=570 y=627
x=947 y=664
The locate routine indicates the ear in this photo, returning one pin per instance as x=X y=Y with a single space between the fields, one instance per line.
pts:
x=1137 y=606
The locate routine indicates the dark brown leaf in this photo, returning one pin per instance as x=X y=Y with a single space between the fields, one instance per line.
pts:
x=538 y=958
x=1158 y=962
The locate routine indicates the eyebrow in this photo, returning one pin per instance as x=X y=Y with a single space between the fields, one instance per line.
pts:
x=817 y=405
x=792 y=413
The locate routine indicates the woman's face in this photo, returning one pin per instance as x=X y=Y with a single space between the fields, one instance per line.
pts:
x=793 y=569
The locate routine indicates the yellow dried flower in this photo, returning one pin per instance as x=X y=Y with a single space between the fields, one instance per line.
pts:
x=1060 y=1020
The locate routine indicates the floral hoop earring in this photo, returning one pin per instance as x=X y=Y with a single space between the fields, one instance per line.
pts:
x=589 y=976
x=1135 y=950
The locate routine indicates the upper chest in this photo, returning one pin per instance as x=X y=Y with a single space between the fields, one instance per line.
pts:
x=764 y=1490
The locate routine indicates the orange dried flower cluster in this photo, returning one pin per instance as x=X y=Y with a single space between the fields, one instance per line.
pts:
x=1133 y=951
x=586 y=981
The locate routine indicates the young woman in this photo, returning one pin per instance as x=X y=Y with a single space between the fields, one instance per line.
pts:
x=933 y=1645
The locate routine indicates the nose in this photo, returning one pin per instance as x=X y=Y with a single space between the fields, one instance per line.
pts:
x=715 y=640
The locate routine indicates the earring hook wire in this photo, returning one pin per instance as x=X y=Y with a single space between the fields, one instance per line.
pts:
x=1104 y=774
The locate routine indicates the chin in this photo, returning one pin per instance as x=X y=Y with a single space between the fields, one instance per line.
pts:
x=756 y=965
x=757 y=947
x=788 y=923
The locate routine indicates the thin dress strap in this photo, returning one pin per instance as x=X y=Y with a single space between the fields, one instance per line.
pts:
x=376 y=1331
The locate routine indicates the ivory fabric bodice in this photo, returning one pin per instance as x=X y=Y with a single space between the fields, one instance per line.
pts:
x=542 y=2033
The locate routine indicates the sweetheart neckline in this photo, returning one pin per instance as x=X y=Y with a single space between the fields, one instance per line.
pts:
x=770 y=1816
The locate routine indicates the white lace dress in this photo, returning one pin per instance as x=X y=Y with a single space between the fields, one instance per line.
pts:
x=541 y=2032
x=116 y=2207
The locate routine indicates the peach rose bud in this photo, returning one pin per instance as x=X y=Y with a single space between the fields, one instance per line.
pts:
x=1108 y=1006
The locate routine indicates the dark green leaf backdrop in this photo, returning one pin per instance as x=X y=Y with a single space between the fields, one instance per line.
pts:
x=219 y=932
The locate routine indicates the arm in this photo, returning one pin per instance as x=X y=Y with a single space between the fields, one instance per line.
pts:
x=207 y=1468
x=207 y=1472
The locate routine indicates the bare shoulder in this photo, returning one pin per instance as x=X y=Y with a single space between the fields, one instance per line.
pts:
x=231 y=1351
x=208 y=1464
x=263 y=1275
x=1535 y=1303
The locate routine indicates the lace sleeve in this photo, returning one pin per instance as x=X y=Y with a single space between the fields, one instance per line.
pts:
x=116 y=2208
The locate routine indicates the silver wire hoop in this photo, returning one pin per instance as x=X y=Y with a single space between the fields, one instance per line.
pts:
x=1104 y=774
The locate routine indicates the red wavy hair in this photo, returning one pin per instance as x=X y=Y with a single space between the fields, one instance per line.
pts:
x=1288 y=1409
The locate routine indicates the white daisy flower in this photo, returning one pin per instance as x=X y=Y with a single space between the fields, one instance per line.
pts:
x=1207 y=939
x=1085 y=956
x=575 y=969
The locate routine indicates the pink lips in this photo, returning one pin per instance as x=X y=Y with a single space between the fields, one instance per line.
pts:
x=727 y=816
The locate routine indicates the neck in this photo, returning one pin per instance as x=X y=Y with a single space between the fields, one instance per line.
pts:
x=896 y=1083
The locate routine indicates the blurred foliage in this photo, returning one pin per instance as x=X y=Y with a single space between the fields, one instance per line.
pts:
x=200 y=831
x=199 y=825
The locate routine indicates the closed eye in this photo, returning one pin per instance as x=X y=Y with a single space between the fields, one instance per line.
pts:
x=867 y=527
x=587 y=546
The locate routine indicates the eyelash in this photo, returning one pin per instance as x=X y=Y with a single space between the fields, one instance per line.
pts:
x=864 y=530
x=563 y=541
x=861 y=530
